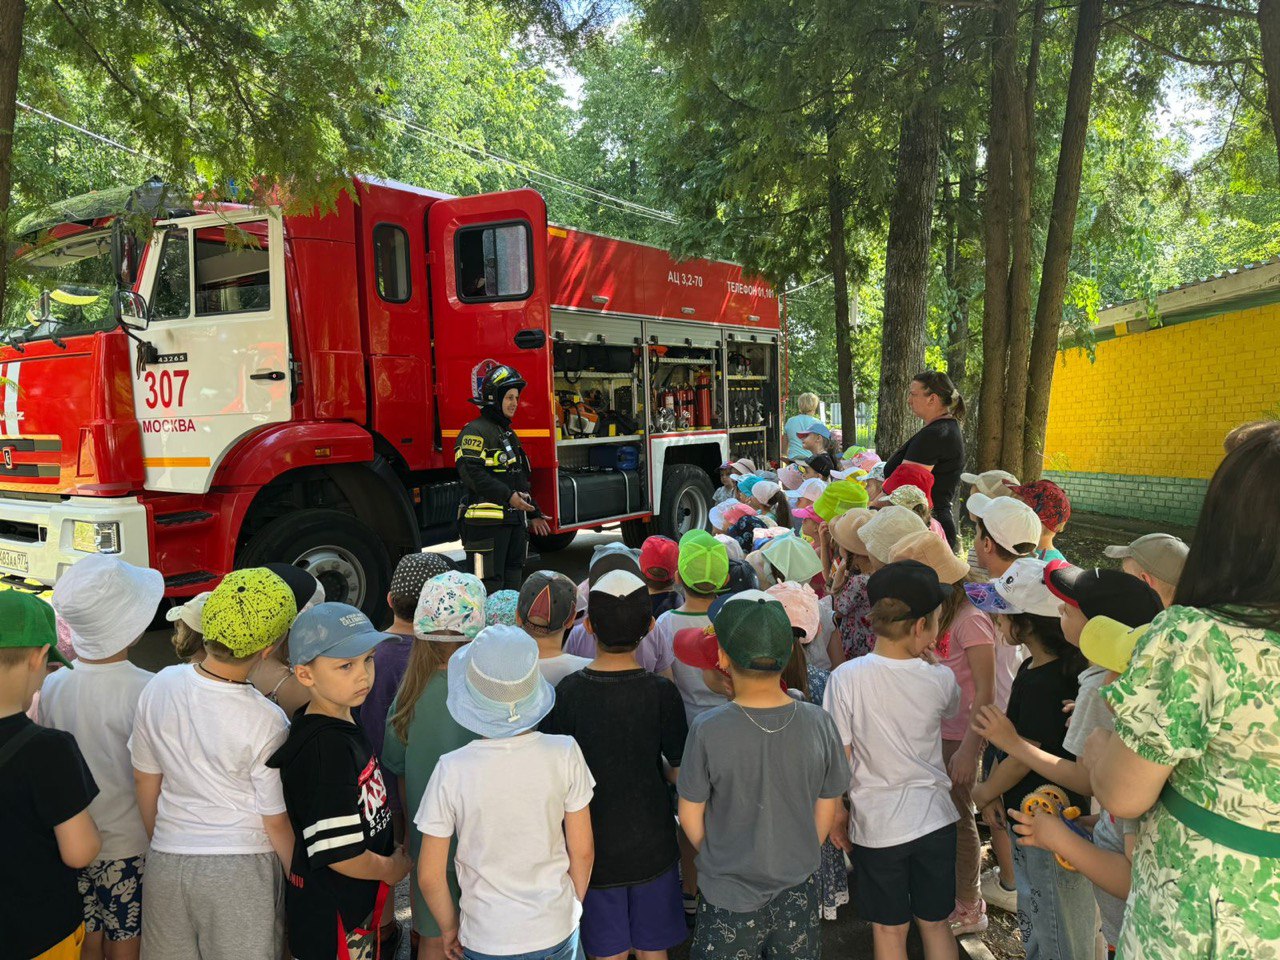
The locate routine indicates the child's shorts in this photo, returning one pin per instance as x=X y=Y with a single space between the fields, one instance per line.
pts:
x=912 y=879
x=112 y=892
x=643 y=916
x=786 y=926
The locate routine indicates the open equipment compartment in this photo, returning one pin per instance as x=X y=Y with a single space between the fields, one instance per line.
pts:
x=600 y=450
x=752 y=396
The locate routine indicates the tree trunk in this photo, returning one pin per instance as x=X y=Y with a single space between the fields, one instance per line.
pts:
x=997 y=213
x=907 y=255
x=1062 y=223
x=962 y=273
x=12 y=14
x=1020 y=103
x=1269 y=26
x=838 y=261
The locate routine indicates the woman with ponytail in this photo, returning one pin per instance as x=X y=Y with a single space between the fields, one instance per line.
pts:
x=938 y=446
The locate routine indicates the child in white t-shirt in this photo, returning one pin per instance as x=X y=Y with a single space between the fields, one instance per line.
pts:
x=108 y=605
x=220 y=834
x=888 y=708
x=523 y=895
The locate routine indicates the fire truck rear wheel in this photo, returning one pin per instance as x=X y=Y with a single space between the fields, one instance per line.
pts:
x=686 y=501
x=552 y=541
x=636 y=532
x=337 y=549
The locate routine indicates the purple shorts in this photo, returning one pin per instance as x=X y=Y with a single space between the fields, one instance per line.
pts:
x=646 y=916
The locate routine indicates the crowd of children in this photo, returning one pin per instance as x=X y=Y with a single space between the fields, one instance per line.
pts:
x=715 y=740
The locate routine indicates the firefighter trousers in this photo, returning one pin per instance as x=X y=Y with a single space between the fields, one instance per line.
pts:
x=499 y=549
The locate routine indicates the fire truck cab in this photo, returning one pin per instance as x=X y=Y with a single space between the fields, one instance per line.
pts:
x=242 y=387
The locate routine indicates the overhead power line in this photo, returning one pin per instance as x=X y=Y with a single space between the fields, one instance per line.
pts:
x=87 y=132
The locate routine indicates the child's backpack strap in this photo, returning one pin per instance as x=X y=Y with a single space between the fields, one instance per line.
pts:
x=16 y=742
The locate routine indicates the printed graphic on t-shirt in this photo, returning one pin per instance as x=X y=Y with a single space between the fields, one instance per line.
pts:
x=373 y=798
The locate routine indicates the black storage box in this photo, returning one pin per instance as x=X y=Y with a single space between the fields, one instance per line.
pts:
x=595 y=496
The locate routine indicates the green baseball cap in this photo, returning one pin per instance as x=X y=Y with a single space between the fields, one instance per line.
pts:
x=754 y=630
x=249 y=611
x=840 y=496
x=703 y=562
x=28 y=622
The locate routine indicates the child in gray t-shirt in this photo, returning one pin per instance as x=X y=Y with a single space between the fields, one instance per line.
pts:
x=759 y=784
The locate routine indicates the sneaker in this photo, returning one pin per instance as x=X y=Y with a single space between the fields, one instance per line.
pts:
x=997 y=894
x=968 y=919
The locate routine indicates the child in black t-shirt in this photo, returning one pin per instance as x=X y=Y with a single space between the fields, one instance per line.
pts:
x=1055 y=906
x=626 y=721
x=345 y=859
x=45 y=791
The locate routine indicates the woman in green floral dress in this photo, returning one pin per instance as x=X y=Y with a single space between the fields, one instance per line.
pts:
x=1196 y=751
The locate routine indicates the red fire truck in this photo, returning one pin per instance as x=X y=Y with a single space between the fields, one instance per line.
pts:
x=243 y=387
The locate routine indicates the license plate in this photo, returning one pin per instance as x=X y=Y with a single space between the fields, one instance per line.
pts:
x=13 y=560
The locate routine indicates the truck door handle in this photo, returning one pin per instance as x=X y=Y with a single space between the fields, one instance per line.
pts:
x=272 y=375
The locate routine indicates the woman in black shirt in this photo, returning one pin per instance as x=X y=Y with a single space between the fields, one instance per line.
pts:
x=938 y=445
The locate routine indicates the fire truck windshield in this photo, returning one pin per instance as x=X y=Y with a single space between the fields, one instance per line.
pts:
x=61 y=289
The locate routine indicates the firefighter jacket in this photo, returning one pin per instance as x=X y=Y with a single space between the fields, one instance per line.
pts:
x=492 y=465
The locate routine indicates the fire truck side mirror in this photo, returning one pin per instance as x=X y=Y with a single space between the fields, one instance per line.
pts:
x=531 y=339
x=131 y=309
x=124 y=252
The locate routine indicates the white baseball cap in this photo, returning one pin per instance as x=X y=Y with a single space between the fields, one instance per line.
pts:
x=991 y=483
x=1020 y=589
x=190 y=612
x=1008 y=521
x=107 y=603
x=764 y=491
x=811 y=490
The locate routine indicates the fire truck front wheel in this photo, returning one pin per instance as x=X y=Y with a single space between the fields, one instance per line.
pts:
x=686 y=501
x=337 y=549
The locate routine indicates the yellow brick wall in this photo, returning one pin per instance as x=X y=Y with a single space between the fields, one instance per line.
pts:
x=1159 y=403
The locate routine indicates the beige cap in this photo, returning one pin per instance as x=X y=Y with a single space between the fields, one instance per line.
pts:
x=991 y=483
x=931 y=550
x=1160 y=554
x=886 y=527
x=844 y=529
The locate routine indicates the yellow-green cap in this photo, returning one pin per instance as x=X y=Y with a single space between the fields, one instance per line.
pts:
x=703 y=562
x=249 y=611
x=840 y=496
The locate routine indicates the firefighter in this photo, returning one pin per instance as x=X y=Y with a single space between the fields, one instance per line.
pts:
x=497 y=512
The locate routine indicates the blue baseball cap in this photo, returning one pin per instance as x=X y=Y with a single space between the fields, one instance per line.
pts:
x=748 y=483
x=336 y=630
x=819 y=428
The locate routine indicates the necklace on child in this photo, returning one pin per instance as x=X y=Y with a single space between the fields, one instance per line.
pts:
x=795 y=706
x=201 y=667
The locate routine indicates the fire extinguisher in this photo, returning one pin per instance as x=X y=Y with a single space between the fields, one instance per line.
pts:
x=686 y=407
x=702 y=400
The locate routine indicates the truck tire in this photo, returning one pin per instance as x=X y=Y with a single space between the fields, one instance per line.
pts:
x=686 y=501
x=337 y=549
x=552 y=541
x=636 y=532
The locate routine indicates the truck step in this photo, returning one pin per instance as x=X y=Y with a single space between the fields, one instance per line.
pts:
x=188 y=579
x=187 y=516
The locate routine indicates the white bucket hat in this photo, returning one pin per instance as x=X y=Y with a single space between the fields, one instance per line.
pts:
x=107 y=603
x=883 y=531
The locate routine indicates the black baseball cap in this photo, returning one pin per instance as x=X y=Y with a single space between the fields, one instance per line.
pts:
x=619 y=609
x=742 y=576
x=910 y=581
x=304 y=586
x=1106 y=593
